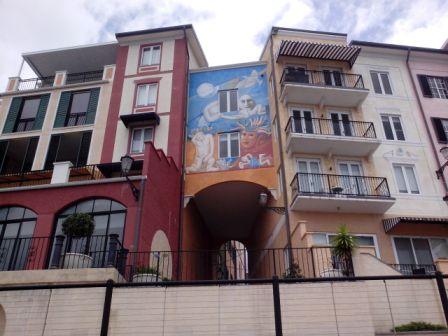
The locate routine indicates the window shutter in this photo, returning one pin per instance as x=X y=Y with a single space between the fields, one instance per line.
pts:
x=3 y=150
x=426 y=90
x=386 y=83
x=438 y=127
x=12 y=115
x=40 y=116
x=52 y=151
x=376 y=82
x=297 y=121
x=93 y=103
x=84 y=147
x=61 y=114
x=29 y=156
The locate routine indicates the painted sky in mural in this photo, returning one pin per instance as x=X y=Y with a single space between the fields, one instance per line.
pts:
x=223 y=101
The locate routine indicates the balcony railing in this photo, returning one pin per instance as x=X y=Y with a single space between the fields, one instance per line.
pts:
x=322 y=78
x=339 y=185
x=83 y=77
x=415 y=269
x=322 y=126
x=235 y=264
x=34 y=253
x=35 y=83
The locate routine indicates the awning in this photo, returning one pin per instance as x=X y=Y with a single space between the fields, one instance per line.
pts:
x=331 y=52
x=390 y=223
x=114 y=168
x=140 y=118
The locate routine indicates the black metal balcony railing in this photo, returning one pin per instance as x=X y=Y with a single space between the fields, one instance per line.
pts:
x=76 y=119
x=322 y=78
x=35 y=83
x=33 y=253
x=415 y=269
x=322 y=126
x=337 y=185
x=235 y=264
x=24 y=125
x=83 y=77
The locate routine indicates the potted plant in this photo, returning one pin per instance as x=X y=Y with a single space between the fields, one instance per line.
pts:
x=343 y=245
x=293 y=272
x=75 y=227
x=146 y=274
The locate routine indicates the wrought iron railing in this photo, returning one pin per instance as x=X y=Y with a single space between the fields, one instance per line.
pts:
x=83 y=77
x=235 y=264
x=76 y=119
x=24 y=125
x=322 y=78
x=35 y=83
x=322 y=126
x=339 y=185
x=415 y=269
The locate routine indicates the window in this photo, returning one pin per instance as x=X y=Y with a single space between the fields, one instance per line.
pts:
x=146 y=94
x=73 y=147
x=393 y=129
x=381 y=82
x=139 y=136
x=423 y=251
x=434 y=87
x=363 y=240
x=229 y=145
x=150 y=55
x=78 y=109
x=441 y=129
x=16 y=229
x=406 y=179
x=17 y=155
x=27 y=115
x=228 y=101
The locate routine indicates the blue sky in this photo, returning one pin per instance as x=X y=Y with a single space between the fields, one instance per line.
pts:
x=230 y=31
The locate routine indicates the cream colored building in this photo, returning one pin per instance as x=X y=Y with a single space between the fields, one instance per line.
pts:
x=353 y=147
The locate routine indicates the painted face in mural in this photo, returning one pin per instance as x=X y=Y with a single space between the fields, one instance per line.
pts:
x=246 y=102
x=248 y=139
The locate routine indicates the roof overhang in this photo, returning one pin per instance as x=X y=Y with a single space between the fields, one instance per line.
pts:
x=397 y=47
x=330 y=52
x=140 y=118
x=114 y=168
x=391 y=223
x=73 y=60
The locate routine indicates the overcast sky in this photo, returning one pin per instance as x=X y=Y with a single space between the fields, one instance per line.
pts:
x=230 y=31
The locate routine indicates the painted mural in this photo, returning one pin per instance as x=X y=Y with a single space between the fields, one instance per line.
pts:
x=228 y=124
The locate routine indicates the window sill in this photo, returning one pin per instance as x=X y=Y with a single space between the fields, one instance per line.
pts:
x=88 y=126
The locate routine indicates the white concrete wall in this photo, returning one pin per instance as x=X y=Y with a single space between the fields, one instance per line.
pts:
x=338 y=308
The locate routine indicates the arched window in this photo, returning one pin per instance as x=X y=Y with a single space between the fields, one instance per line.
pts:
x=109 y=217
x=16 y=232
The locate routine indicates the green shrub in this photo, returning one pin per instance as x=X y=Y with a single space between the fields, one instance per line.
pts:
x=146 y=270
x=78 y=225
x=419 y=326
x=293 y=272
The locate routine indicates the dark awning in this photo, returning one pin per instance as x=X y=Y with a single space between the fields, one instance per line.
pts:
x=390 y=223
x=332 y=52
x=114 y=168
x=140 y=118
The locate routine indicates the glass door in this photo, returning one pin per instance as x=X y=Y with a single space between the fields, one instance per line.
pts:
x=341 y=123
x=352 y=181
x=303 y=121
x=310 y=179
x=333 y=77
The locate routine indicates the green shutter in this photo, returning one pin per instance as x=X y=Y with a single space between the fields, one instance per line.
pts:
x=52 y=151
x=3 y=150
x=61 y=114
x=84 y=147
x=30 y=153
x=12 y=115
x=40 y=116
x=93 y=103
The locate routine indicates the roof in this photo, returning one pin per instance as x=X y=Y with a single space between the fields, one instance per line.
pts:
x=153 y=30
x=276 y=29
x=390 y=223
x=325 y=51
x=73 y=59
x=397 y=47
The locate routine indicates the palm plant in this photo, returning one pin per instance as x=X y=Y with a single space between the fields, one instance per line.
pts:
x=343 y=245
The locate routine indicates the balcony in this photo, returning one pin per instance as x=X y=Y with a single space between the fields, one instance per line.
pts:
x=325 y=136
x=332 y=88
x=340 y=193
x=35 y=83
x=415 y=269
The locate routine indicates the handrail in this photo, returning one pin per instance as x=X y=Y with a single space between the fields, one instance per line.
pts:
x=35 y=83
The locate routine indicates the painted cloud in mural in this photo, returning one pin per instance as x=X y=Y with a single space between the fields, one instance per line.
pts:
x=228 y=120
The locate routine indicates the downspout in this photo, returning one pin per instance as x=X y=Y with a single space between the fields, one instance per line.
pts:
x=138 y=217
x=182 y=170
x=280 y=147
x=422 y=113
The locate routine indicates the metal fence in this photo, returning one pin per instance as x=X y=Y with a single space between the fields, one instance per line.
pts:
x=322 y=126
x=233 y=264
x=337 y=185
x=322 y=78
x=35 y=83
x=415 y=269
x=83 y=77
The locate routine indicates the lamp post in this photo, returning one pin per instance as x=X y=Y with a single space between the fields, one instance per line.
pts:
x=444 y=152
x=126 y=165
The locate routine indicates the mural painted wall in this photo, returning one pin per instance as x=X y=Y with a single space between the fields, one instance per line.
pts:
x=228 y=126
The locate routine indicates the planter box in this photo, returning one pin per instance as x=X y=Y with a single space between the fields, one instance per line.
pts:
x=145 y=277
x=77 y=260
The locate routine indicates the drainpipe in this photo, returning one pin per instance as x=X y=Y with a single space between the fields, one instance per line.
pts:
x=428 y=130
x=280 y=147
x=138 y=219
